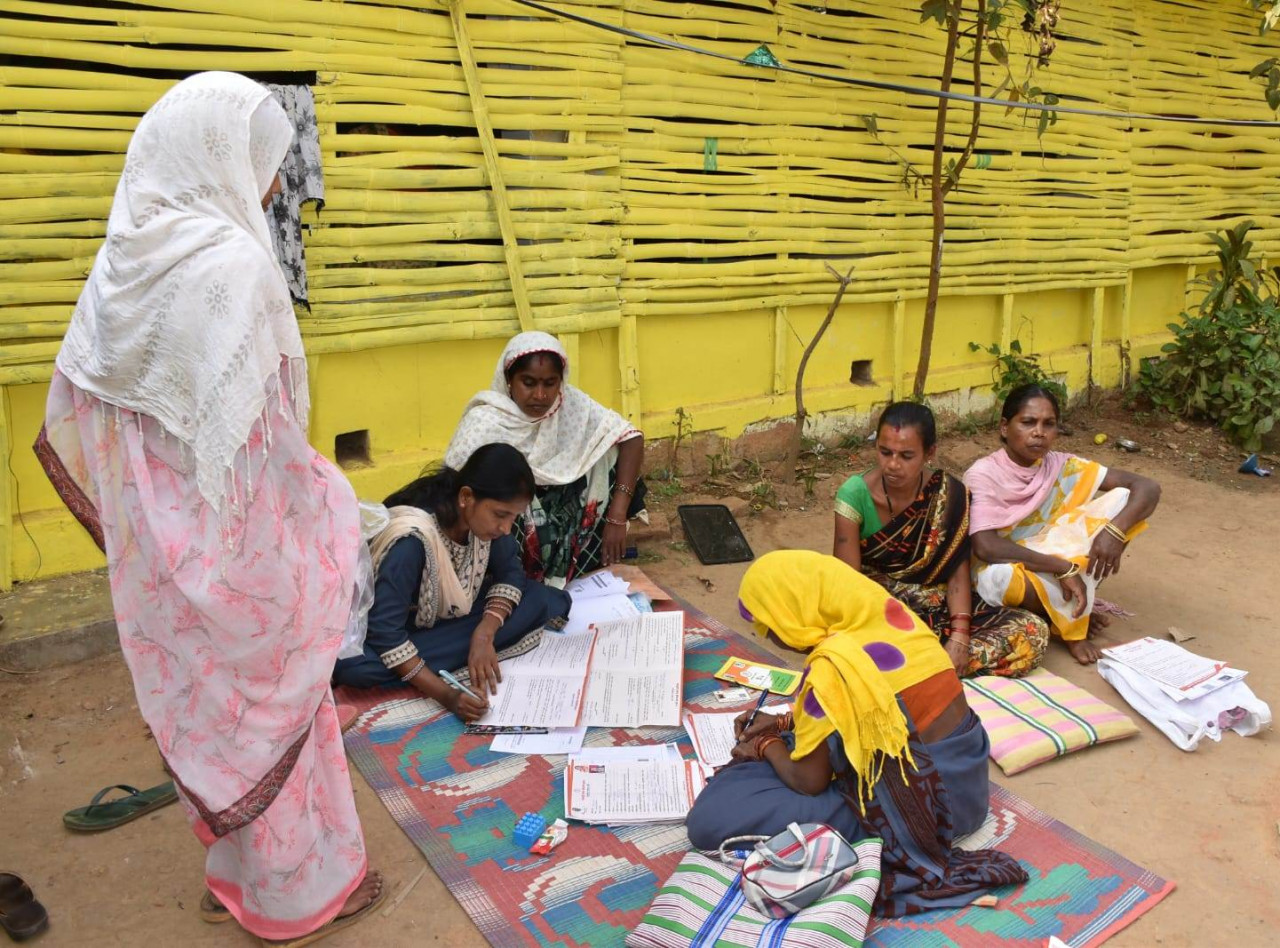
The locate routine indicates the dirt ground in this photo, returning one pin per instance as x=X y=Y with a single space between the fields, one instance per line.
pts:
x=1208 y=820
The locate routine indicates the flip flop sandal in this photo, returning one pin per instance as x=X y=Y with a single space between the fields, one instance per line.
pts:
x=337 y=925
x=98 y=816
x=21 y=916
x=213 y=911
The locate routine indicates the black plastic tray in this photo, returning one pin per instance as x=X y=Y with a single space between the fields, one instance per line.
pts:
x=714 y=534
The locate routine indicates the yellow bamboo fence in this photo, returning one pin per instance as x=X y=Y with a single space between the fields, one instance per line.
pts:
x=670 y=215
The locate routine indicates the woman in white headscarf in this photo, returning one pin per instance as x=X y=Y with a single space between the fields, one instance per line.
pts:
x=586 y=459
x=176 y=432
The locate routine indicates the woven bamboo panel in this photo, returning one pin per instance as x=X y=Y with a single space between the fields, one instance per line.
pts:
x=800 y=180
x=641 y=181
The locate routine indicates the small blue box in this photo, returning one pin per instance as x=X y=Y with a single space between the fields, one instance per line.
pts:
x=528 y=828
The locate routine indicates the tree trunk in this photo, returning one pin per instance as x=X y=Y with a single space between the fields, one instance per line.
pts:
x=793 y=453
x=939 y=203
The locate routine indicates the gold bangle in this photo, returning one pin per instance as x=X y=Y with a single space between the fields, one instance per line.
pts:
x=1116 y=532
x=1073 y=571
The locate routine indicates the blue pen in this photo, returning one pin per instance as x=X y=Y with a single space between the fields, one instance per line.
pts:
x=764 y=695
x=452 y=682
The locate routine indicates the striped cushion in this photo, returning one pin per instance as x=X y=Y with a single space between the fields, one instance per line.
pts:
x=702 y=906
x=1040 y=717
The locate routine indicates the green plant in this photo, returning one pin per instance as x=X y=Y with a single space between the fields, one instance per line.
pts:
x=991 y=25
x=1224 y=361
x=763 y=494
x=722 y=461
x=810 y=479
x=1015 y=367
x=852 y=441
x=668 y=487
x=684 y=430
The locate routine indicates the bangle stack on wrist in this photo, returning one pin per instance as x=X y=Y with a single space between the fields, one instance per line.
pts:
x=763 y=741
x=1073 y=571
x=1116 y=532
x=413 y=672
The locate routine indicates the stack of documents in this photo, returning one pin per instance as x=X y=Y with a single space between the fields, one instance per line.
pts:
x=599 y=597
x=1182 y=675
x=626 y=673
x=631 y=785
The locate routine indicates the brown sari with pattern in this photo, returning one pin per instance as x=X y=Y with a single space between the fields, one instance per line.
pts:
x=914 y=555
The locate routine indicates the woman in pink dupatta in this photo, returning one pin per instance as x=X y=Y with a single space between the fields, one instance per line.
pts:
x=176 y=432
x=1048 y=527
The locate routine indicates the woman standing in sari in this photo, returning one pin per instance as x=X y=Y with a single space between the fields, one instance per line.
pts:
x=880 y=742
x=1048 y=527
x=176 y=433
x=907 y=527
x=586 y=459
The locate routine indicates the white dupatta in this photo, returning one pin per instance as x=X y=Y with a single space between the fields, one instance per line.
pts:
x=562 y=445
x=186 y=315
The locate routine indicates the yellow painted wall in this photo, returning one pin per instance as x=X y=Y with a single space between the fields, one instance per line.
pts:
x=677 y=288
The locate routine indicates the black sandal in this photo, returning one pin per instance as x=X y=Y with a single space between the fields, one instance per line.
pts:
x=21 y=915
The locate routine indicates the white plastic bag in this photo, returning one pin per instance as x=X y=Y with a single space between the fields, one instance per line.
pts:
x=1186 y=723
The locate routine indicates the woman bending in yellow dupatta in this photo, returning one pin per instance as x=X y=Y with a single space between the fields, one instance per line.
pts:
x=1048 y=527
x=880 y=743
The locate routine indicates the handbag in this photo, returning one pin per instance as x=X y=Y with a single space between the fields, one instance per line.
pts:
x=788 y=872
x=701 y=906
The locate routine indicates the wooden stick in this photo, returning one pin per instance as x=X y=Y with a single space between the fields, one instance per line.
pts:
x=404 y=891
x=793 y=459
x=497 y=187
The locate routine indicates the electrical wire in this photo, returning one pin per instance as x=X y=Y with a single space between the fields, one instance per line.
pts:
x=665 y=43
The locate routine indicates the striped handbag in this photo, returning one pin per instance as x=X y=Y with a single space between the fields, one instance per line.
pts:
x=794 y=869
x=703 y=906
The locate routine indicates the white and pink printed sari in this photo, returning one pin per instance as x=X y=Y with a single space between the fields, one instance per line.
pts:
x=175 y=430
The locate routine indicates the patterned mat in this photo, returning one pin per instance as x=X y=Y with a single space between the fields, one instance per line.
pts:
x=458 y=802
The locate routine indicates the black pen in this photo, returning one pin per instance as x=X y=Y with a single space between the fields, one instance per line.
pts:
x=756 y=710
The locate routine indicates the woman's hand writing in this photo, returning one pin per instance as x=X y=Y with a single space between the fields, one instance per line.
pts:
x=763 y=724
x=464 y=706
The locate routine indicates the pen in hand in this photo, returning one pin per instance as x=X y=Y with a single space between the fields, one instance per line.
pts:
x=452 y=682
x=764 y=696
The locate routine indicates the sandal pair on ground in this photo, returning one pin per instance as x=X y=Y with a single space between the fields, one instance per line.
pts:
x=21 y=914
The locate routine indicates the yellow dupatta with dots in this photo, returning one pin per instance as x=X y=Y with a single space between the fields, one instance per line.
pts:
x=866 y=647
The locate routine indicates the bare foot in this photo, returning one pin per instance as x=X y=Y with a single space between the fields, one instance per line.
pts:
x=367 y=891
x=1084 y=651
x=1097 y=622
